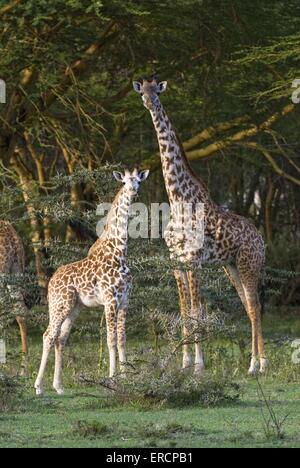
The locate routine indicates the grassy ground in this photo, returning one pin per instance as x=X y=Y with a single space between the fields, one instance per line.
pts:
x=78 y=420
x=93 y=417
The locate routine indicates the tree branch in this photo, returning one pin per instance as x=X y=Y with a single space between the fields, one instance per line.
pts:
x=209 y=150
x=271 y=160
x=240 y=136
x=210 y=132
x=79 y=67
x=33 y=109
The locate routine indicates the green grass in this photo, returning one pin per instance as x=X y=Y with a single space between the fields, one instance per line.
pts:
x=93 y=417
x=77 y=420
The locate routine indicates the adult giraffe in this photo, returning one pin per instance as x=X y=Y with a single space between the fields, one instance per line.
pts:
x=229 y=240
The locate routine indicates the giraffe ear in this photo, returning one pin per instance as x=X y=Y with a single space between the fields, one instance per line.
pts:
x=137 y=86
x=118 y=176
x=143 y=175
x=162 y=86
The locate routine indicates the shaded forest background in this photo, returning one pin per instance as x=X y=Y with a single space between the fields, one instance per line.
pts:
x=71 y=115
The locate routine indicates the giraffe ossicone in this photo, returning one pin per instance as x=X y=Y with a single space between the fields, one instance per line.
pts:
x=229 y=240
x=102 y=278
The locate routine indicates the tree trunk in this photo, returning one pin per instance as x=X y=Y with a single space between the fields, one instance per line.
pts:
x=27 y=187
x=268 y=211
x=38 y=160
x=74 y=192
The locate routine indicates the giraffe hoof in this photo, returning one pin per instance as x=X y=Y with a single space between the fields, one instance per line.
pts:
x=39 y=391
x=263 y=366
x=254 y=369
x=59 y=391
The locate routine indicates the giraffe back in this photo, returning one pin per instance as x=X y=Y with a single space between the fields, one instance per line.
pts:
x=225 y=235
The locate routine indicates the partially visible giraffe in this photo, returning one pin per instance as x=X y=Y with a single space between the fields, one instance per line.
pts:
x=229 y=240
x=12 y=262
x=102 y=278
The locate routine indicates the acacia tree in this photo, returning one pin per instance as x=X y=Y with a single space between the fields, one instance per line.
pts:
x=68 y=66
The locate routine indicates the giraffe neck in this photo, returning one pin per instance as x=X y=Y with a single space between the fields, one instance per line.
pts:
x=118 y=217
x=116 y=228
x=182 y=184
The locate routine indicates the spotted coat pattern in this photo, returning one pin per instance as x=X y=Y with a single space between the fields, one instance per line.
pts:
x=12 y=262
x=102 y=278
x=228 y=240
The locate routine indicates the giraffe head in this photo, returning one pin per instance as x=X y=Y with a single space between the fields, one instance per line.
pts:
x=131 y=180
x=150 y=89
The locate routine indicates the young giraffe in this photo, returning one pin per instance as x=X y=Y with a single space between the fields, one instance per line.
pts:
x=102 y=278
x=12 y=262
x=229 y=240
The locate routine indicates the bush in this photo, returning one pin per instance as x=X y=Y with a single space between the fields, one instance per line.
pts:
x=10 y=392
x=154 y=385
x=90 y=429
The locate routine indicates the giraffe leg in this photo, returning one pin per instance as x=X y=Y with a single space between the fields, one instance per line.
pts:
x=184 y=299
x=233 y=275
x=196 y=317
x=23 y=332
x=49 y=338
x=122 y=337
x=255 y=305
x=263 y=361
x=111 y=312
x=20 y=310
x=253 y=314
x=250 y=281
x=59 y=349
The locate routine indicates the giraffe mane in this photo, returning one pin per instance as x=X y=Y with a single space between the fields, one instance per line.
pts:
x=114 y=203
